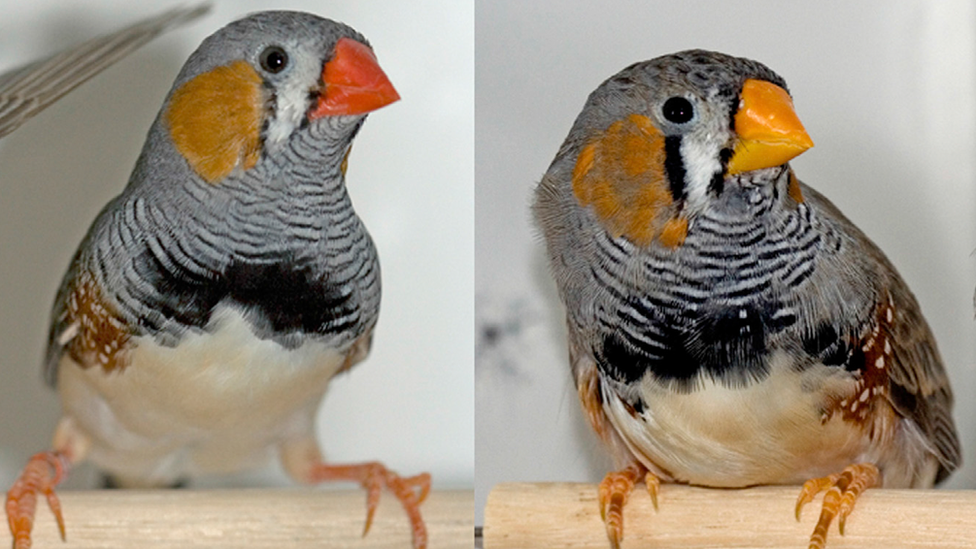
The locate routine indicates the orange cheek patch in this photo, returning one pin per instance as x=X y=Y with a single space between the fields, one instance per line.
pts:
x=674 y=232
x=794 y=189
x=345 y=161
x=621 y=175
x=102 y=337
x=215 y=120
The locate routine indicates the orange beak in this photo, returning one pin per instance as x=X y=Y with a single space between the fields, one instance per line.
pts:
x=769 y=132
x=354 y=82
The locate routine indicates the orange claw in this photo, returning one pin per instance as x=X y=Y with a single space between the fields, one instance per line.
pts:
x=411 y=491
x=653 y=485
x=843 y=489
x=615 y=490
x=42 y=473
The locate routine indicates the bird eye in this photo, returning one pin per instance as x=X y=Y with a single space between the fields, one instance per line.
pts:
x=678 y=110
x=274 y=59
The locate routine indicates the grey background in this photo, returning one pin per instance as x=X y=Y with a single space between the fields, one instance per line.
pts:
x=886 y=90
x=410 y=177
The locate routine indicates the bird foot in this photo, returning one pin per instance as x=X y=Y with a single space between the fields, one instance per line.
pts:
x=843 y=489
x=615 y=490
x=373 y=476
x=42 y=473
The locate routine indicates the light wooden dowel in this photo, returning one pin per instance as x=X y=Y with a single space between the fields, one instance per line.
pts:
x=558 y=516
x=292 y=518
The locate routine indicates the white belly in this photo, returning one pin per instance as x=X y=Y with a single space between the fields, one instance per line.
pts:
x=216 y=402
x=770 y=432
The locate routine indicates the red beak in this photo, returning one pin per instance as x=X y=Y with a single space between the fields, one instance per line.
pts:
x=354 y=82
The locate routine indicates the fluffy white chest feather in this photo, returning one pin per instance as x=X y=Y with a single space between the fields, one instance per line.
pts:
x=771 y=432
x=216 y=402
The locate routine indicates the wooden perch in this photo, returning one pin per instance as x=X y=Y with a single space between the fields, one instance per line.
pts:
x=293 y=518
x=568 y=516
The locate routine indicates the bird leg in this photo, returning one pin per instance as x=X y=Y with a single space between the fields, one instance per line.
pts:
x=373 y=476
x=304 y=462
x=615 y=490
x=843 y=489
x=43 y=472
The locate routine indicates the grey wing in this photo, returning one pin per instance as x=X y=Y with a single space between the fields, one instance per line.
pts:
x=26 y=91
x=917 y=381
x=63 y=328
x=918 y=385
x=94 y=314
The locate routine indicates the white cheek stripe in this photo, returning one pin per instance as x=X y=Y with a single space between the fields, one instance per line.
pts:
x=290 y=108
x=292 y=98
x=701 y=161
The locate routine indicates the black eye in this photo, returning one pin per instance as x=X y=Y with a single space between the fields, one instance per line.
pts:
x=678 y=110
x=273 y=59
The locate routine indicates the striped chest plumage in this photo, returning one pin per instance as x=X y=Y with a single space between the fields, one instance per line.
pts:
x=280 y=242
x=716 y=362
x=718 y=304
x=299 y=264
x=233 y=318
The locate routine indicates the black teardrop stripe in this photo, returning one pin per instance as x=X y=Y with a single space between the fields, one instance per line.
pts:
x=674 y=166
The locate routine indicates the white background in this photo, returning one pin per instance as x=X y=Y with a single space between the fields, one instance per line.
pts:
x=410 y=177
x=886 y=90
